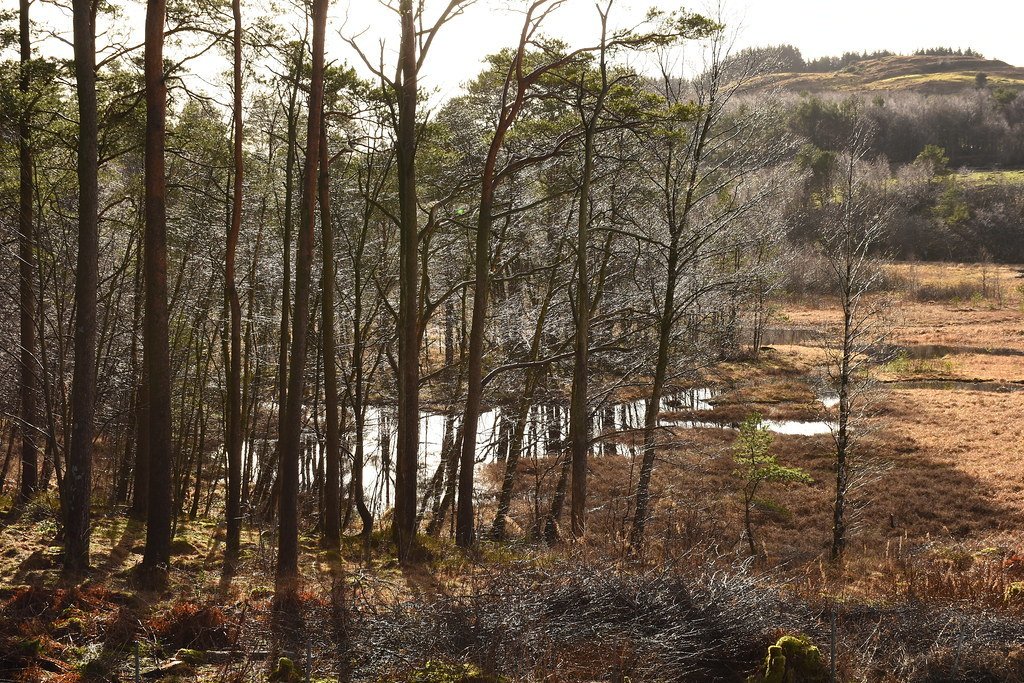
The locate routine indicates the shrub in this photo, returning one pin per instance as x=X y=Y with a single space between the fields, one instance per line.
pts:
x=1015 y=592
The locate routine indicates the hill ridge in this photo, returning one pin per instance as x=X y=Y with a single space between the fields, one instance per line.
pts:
x=928 y=74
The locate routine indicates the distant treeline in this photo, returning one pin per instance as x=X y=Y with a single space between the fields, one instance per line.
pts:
x=928 y=146
x=922 y=143
x=788 y=59
x=978 y=129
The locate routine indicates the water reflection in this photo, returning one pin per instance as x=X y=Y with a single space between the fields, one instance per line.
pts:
x=546 y=432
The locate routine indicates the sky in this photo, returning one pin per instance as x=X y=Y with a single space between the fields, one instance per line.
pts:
x=824 y=27
x=816 y=27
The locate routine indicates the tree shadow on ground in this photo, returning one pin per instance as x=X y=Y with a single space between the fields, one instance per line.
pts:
x=133 y=532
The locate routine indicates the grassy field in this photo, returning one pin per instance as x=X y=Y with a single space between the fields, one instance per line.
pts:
x=988 y=178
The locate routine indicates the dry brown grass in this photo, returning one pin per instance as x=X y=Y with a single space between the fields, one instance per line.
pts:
x=976 y=434
x=946 y=483
x=942 y=522
x=984 y=333
x=944 y=460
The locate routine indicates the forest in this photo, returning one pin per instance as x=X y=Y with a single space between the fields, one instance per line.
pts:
x=625 y=360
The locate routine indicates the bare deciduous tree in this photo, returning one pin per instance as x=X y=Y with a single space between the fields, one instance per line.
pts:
x=853 y=225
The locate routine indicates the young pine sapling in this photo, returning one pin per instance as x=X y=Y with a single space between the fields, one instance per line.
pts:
x=755 y=465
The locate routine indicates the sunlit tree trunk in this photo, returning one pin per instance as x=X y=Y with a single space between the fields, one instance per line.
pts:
x=286 y=280
x=26 y=285
x=288 y=476
x=332 y=487
x=78 y=475
x=578 y=436
x=408 y=304
x=578 y=402
x=233 y=423
x=156 y=347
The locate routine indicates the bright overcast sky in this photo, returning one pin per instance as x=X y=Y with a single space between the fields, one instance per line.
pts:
x=824 y=27
x=816 y=27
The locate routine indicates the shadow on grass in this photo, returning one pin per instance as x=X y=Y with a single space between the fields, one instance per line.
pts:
x=133 y=532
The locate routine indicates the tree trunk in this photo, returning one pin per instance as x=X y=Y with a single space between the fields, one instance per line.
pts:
x=78 y=476
x=131 y=442
x=332 y=487
x=408 y=304
x=286 y=280
x=580 y=368
x=451 y=458
x=464 y=531
x=140 y=491
x=748 y=525
x=156 y=344
x=551 y=533
x=652 y=413
x=288 y=477
x=358 y=394
x=250 y=386
x=233 y=440
x=12 y=436
x=519 y=429
x=27 y=292
x=843 y=429
x=679 y=217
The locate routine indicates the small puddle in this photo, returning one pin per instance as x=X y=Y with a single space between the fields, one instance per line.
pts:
x=799 y=427
x=829 y=399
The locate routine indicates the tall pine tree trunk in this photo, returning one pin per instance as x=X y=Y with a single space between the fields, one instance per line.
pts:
x=26 y=284
x=286 y=280
x=332 y=487
x=408 y=304
x=288 y=477
x=578 y=431
x=233 y=442
x=156 y=353
x=78 y=476
x=464 y=521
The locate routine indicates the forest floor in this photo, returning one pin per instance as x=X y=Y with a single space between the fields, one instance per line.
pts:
x=937 y=516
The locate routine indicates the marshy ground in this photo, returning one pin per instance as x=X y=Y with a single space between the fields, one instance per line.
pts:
x=938 y=525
